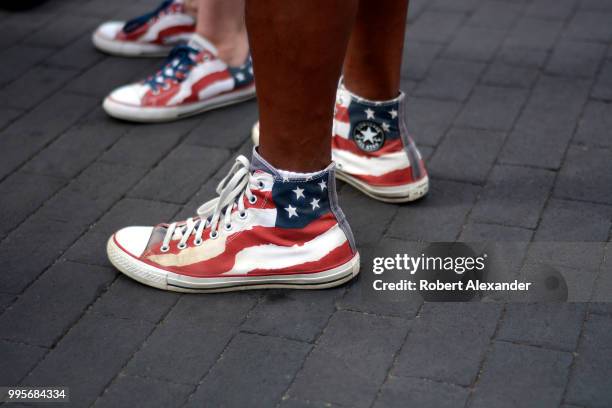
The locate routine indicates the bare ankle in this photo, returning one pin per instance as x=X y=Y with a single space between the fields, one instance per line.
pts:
x=232 y=48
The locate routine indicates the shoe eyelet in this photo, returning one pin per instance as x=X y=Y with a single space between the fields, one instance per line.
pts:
x=213 y=235
x=261 y=185
x=181 y=246
x=228 y=227
x=243 y=215
x=198 y=241
x=164 y=248
x=253 y=200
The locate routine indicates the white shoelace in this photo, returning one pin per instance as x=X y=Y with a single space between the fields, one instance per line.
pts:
x=232 y=189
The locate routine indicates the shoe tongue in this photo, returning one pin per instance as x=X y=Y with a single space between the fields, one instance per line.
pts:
x=258 y=163
x=200 y=43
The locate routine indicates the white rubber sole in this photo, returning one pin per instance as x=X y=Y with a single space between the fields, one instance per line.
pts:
x=393 y=194
x=162 y=279
x=158 y=114
x=129 y=49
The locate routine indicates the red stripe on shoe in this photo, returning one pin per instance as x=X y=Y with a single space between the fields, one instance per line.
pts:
x=205 y=82
x=281 y=237
x=174 y=30
x=393 y=178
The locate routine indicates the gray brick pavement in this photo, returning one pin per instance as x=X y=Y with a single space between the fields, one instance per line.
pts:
x=511 y=103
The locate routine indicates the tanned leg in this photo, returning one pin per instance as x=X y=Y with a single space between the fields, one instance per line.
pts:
x=298 y=48
x=374 y=55
x=222 y=23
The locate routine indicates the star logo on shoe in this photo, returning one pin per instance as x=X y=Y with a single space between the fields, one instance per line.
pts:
x=368 y=136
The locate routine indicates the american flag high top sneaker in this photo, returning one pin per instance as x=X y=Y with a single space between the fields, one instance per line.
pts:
x=152 y=34
x=266 y=229
x=192 y=80
x=373 y=150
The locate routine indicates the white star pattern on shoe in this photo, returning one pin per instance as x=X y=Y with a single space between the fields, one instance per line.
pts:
x=240 y=76
x=292 y=211
x=299 y=192
x=393 y=113
x=368 y=135
x=285 y=179
x=315 y=203
x=323 y=185
x=386 y=127
x=369 y=113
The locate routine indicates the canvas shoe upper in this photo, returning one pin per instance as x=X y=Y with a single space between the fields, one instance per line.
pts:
x=266 y=228
x=152 y=34
x=192 y=80
x=373 y=150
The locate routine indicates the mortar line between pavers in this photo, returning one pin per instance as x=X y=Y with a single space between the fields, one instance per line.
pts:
x=600 y=99
x=396 y=355
x=13 y=120
x=433 y=380
x=486 y=354
x=572 y=366
x=390 y=222
x=274 y=336
x=537 y=346
x=594 y=145
x=600 y=269
x=369 y=313
x=23 y=343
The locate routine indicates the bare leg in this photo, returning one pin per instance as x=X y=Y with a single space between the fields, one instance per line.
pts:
x=191 y=6
x=298 y=48
x=222 y=23
x=374 y=55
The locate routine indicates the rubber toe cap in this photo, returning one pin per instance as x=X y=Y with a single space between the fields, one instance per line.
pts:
x=134 y=240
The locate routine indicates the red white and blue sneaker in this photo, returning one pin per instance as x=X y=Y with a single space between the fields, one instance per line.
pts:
x=267 y=229
x=192 y=80
x=152 y=34
x=373 y=150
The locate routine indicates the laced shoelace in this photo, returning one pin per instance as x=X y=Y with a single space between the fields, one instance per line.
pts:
x=176 y=67
x=232 y=189
x=139 y=21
